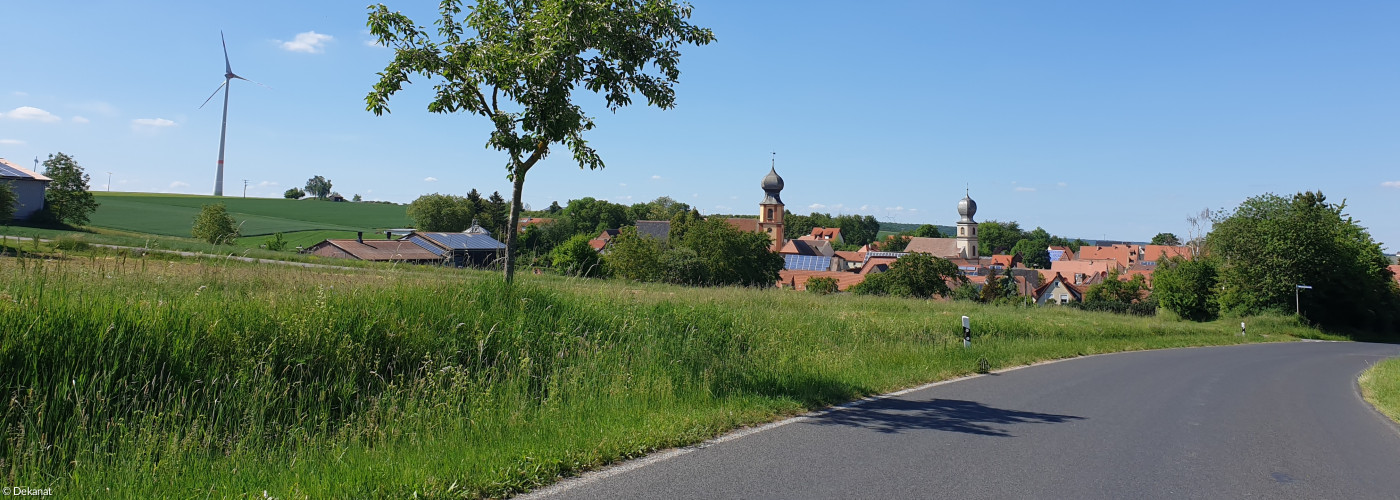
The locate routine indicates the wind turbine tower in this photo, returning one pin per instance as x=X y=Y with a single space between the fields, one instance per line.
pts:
x=229 y=76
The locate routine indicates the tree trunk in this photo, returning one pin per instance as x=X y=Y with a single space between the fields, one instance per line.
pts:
x=519 y=185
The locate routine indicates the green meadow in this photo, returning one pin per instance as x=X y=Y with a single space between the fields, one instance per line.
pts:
x=1380 y=385
x=173 y=214
x=161 y=377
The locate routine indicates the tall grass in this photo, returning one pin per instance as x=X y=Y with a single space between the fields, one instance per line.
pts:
x=1380 y=385
x=213 y=378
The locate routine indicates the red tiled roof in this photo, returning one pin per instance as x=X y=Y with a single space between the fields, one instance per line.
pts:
x=598 y=243
x=937 y=247
x=1006 y=260
x=533 y=221
x=798 y=279
x=1396 y=270
x=1077 y=291
x=1086 y=267
x=750 y=225
x=1151 y=253
x=874 y=263
x=1126 y=255
x=826 y=233
x=807 y=247
x=376 y=250
x=851 y=256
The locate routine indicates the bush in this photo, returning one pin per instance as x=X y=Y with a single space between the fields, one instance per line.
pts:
x=294 y=194
x=821 y=285
x=275 y=243
x=1187 y=287
x=576 y=258
x=8 y=202
x=70 y=244
x=914 y=275
x=215 y=225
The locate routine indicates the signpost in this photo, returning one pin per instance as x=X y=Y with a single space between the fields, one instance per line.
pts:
x=967 y=332
x=1297 y=307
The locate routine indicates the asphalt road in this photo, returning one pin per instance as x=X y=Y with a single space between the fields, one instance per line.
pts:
x=1251 y=421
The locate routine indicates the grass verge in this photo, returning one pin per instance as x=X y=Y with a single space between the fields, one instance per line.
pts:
x=1380 y=385
x=180 y=378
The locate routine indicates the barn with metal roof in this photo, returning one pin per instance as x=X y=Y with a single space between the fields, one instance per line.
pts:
x=28 y=186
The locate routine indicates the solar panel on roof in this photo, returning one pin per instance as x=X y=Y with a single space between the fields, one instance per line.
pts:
x=426 y=245
x=806 y=262
x=1056 y=254
x=8 y=171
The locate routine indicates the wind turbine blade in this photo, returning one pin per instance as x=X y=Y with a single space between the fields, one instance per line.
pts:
x=228 y=68
x=252 y=82
x=211 y=96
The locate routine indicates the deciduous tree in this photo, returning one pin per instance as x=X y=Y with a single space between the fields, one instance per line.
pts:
x=67 y=199
x=516 y=63
x=215 y=225
x=319 y=186
x=1166 y=239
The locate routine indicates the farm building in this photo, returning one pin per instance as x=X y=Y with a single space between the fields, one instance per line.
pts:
x=474 y=247
x=28 y=186
x=374 y=250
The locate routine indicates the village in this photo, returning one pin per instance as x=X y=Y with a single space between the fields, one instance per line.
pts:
x=814 y=255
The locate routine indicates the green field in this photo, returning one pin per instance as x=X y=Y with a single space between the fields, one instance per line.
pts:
x=173 y=214
x=165 y=377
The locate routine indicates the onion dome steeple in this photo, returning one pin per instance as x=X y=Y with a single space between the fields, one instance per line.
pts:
x=772 y=186
x=967 y=208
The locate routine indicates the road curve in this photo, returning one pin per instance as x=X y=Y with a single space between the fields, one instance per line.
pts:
x=1250 y=421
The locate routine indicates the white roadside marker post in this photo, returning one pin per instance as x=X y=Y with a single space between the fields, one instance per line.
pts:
x=967 y=332
x=1242 y=329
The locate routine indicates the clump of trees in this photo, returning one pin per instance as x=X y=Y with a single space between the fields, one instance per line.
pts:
x=294 y=194
x=452 y=213
x=1130 y=296
x=67 y=199
x=898 y=242
x=996 y=237
x=916 y=275
x=1256 y=255
x=318 y=186
x=856 y=230
x=215 y=225
x=704 y=252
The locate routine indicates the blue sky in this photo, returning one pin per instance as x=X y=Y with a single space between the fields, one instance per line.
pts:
x=1090 y=119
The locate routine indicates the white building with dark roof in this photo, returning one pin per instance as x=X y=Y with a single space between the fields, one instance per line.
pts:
x=29 y=188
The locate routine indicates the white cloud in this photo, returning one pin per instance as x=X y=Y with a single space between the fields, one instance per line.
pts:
x=151 y=123
x=19 y=93
x=310 y=42
x=430 y=179
x=79 y=119
x=178 y=184
x=1391 y=184
x=11 y=142
x=373 y=43
x=1062 y=184
x=816 y=206
x=696 y=195
x=266 y=184
x=1023 y=189
x=656 y=177
x=31 y=113
x=623 y=184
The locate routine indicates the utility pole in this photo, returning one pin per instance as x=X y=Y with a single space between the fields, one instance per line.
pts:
x=245 y=188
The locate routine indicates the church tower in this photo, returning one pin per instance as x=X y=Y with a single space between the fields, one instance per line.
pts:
x=967 y=228
x=770 y=210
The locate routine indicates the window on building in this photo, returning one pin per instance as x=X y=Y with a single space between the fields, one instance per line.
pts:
x=1064 y=298
x=974 y=230
x=962 y=231
x=770 y=214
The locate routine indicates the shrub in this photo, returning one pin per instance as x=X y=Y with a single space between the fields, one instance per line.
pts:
x=822 y=285
x=275 y=243
x=8 y=202
x=576 y=258
x=215 y=225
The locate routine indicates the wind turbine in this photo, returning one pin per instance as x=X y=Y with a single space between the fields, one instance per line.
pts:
x=223 y=128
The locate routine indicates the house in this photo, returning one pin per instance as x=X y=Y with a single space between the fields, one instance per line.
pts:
x=1151 y=253
x=374 y=250
x=474 y=247
x=1058 y=290
x=1126 y=255
x=1395 y=271
x=1060 y=253
x=937 y=247
x=657 y=229
x=1001 y=262
x=526 y=222
x=797 y=279
x=825 y=233
x=808 y=247
x=1081 y=270
x=28 y=187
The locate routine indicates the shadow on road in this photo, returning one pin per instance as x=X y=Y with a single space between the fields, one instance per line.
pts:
x=898 y=415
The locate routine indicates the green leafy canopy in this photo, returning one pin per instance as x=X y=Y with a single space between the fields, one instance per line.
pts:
x=517 y=63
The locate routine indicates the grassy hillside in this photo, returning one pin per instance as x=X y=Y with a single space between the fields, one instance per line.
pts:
x=161 y=378
x=173 y=215
x=1381 y=386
